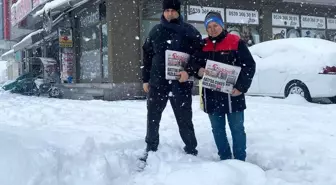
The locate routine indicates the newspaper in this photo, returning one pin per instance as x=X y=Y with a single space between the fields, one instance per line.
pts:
x=220 y=77
x=175 y=63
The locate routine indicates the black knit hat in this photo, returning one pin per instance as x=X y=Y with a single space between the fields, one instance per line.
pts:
x=171 y=4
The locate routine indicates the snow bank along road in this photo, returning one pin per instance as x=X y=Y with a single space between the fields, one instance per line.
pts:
x=66 y=142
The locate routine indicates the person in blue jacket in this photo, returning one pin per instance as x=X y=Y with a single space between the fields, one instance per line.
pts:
x=226 y=48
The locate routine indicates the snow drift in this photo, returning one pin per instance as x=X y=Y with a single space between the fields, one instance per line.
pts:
x=295 y=55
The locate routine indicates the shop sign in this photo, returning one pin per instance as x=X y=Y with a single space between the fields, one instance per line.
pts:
x=197 y=13
x=67 y=64
x=18 y=56
x=65 y=37
x=20 y=10
x=242 y=16
x=313 y=22
x=279 y=19
x=331 y=24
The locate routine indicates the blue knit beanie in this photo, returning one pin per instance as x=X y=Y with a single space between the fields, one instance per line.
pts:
x=213 y=17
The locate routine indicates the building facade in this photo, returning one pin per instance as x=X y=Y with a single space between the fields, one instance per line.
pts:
x=97 y=43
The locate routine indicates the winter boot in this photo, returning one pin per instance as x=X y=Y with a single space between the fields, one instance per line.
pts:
x=192 y=151
x=145 y=155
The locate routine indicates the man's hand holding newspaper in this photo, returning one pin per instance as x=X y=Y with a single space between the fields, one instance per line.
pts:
x=183 y=76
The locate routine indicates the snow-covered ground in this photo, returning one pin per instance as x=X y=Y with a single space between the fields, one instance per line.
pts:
x=67 y=142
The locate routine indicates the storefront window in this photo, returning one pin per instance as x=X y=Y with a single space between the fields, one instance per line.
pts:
x=90 y=54
x=331 y=35
x=247 y=33
x=320 y=34
x=93 y=45
x=105 y=50
x=201 y=28
x=282 y=33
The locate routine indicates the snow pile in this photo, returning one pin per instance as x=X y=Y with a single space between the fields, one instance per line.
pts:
x=3 y=72
x=296 y=99
x=170 y=166
x=68 y=142
x=295 y=55
x=52 y=5
x=31 y=161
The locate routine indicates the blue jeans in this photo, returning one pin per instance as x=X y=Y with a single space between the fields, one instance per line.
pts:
x=236 y=123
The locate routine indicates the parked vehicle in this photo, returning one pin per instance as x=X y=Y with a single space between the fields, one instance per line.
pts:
x=304 y=66
x=40 y=79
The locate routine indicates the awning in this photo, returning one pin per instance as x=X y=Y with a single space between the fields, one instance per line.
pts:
x=59 y=6
x=29 y=40
x=9 y=53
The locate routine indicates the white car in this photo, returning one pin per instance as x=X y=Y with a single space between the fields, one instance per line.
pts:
x=304 y=66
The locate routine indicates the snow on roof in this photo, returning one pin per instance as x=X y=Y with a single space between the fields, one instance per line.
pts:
x=27 y=40
x=57 y=3
x=51 y=5
x=295 y=55
x=313 y=45
x=47 y=61
x=8 y=53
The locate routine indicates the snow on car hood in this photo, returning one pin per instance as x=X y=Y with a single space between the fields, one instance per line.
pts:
x=295 y=55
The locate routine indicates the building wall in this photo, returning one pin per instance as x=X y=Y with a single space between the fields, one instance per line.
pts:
x=124 y=33
x=124 y=49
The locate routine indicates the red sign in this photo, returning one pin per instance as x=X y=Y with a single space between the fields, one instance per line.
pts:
x=20 y=10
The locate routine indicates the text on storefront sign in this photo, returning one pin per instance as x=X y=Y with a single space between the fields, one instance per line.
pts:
x=331 y=23
x=197 y=13
x=242 y=16
x=90 y=19
x=279 y=19
x=312 y=22
x=202 y=11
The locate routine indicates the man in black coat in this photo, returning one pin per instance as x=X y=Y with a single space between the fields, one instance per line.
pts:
x=171 y=34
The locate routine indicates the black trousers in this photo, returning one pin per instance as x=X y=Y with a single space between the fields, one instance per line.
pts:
x=180 y=100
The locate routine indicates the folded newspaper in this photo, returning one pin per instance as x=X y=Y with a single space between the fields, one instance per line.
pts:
x=220 y=77
x=176 y=62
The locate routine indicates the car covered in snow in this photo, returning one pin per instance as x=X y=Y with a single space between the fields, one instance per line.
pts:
x=304 y=66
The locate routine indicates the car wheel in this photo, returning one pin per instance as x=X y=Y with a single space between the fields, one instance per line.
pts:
x=55 y=93
x=299 y=88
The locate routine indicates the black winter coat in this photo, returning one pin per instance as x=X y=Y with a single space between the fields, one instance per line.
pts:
x=177 y=36
x=229 y=49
